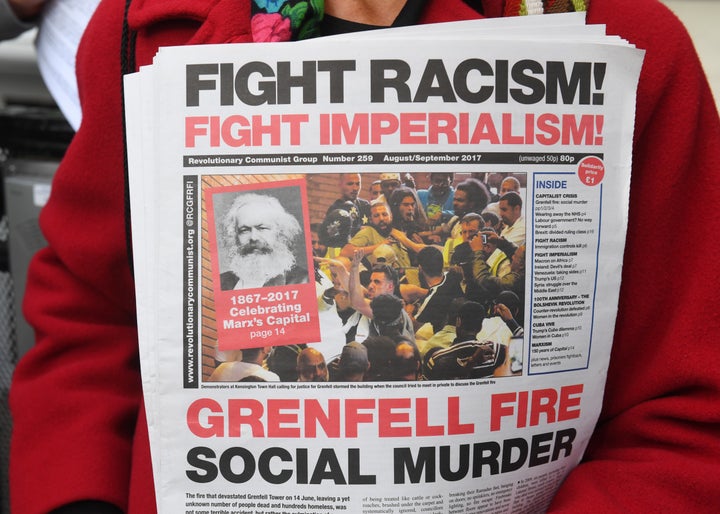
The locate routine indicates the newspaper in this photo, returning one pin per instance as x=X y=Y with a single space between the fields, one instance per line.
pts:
x=284 y=368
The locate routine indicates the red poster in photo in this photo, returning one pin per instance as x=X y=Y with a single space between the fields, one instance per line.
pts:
x=262 y=268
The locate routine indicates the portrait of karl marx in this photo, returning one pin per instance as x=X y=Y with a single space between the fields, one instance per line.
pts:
x=257 y=239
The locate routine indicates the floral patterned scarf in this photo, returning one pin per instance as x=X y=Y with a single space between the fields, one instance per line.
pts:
x=290 y=20
x=285 y=20
x=529 y=7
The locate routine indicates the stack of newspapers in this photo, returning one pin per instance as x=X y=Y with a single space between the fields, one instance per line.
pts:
x=269 y=382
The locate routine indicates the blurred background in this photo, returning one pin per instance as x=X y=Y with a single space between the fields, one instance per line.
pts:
x=701 y=18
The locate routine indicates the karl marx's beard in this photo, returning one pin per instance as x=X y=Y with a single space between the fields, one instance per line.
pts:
x=255 y=264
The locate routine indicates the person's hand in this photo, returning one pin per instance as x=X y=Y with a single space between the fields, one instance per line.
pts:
x=357 y=258
x=26 y=10
x=339 y=273
x=409 y=181
x=492 y=238
x=332 y=263
x=410 y=308
x=502 y=311
x=476 y=243
x=342 y=300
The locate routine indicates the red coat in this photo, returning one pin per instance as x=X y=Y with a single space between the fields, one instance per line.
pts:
x=76 y=398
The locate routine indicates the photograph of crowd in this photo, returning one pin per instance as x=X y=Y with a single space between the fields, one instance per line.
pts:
x=419 y=276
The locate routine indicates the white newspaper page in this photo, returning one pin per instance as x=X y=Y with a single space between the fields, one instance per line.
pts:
x=378 y=278
x=61 y=27
x=140 y=142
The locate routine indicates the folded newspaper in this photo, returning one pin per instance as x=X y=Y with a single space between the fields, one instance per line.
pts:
x=379 y=273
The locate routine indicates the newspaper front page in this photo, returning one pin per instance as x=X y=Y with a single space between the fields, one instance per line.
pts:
x=379 y=273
